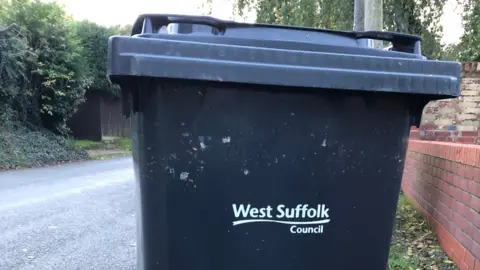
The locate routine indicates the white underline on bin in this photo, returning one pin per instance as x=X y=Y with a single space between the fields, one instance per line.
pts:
x=239 y=222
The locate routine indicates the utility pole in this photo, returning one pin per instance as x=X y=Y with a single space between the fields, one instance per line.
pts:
x=359 y=15
x=374 y=18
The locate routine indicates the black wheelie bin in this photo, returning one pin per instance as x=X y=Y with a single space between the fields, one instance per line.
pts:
x=269 y=147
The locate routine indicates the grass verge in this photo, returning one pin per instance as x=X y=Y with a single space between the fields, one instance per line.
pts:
x=118 y=144
x=108 y=156
x=106 y=149
x=85 y=144
x=414 y=245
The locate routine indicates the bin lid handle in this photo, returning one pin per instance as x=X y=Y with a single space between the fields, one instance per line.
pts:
x=151 y=23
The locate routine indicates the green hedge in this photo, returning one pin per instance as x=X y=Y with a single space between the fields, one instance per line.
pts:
x=22 y=147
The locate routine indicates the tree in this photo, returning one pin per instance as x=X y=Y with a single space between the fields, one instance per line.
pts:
x=94 y=39
x=331 y=14
x=123 y=30
x=56 y=78
x=469 y=46
x=14 y=58
x=420 y=17
x=451 y=52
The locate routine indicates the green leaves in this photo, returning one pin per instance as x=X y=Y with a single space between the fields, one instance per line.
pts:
x=14 y=60
x=420 y=17
x=94 y=40
x=469 y=47
x=53 y=64
x=48 y=62
x=22 y=147
x=331 y=14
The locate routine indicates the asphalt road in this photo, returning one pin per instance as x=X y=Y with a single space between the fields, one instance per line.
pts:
x=75 y=216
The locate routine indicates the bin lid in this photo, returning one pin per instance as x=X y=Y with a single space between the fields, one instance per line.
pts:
x=209 y=49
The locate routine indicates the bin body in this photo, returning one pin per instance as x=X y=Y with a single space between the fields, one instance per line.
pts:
x=239 y=175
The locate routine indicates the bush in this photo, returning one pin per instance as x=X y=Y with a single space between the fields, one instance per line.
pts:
x=46 y=55
x=23 y=147
x=47 y=62
x=94 y=40
x=14 y=57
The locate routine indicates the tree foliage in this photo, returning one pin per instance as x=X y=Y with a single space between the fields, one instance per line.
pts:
x=48 y=61
x=94 y=39
x=123 y=30
x=469 y=46
x=420 y=17
x=55 y=77
x=331 y=14
x=14 y=59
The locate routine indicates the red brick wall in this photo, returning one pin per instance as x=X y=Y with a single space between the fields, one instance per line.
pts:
x=443 y=181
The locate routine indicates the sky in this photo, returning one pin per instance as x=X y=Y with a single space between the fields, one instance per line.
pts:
x=112 y=12
x=126 y=11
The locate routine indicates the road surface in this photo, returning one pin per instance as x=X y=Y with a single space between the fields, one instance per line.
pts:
x=75 y=216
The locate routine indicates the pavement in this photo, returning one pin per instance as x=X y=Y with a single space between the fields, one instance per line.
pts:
x=74 y=216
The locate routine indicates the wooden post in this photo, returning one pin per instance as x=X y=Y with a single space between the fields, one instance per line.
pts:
x=374 y=18
x=359 y=15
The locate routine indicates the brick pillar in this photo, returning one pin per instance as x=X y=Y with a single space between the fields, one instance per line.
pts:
x=455 y=120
